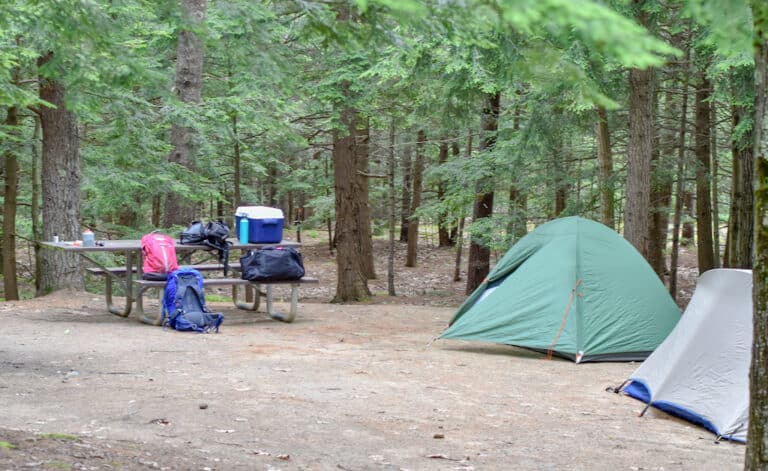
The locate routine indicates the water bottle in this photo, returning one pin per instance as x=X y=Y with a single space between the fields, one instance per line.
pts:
x=243 y=230
x=88 y=238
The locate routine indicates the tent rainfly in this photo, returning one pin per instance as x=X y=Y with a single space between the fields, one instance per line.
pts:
x=574 y=288
x=701 y=371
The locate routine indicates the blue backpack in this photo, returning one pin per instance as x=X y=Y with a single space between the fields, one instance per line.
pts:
x=184 y=303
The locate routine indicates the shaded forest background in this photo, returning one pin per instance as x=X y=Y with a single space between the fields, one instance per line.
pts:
x=359 y=118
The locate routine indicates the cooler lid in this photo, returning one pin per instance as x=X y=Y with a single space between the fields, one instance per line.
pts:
x=259 y=212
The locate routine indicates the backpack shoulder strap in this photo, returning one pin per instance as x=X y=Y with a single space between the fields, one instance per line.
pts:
x=222 y=246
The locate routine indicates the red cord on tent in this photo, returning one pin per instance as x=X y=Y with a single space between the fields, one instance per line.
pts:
x=562 y=324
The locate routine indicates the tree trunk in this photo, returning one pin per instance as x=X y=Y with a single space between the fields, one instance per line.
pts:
x=518 y=200
x=757 y=438
x=455 y=150
x=661 y=191
x=740 y=227
x=328 y=222
x=680 y=182
x=459 y=246
x=561 y=181
x=443 y=234
x=405 y=204
x=460 y=229
x=705 y=250
x=715 y=165
x=37 y=230
x=352 y=284
x=11 y=172
x=518 y=207
x=188 y=85
x=270 y=185
x=605 y=163
x=639 y=153
x=479 y=255
x=391 y=210
x=237 y=199
x=413 y=225
x=362 y=141
x=61 y=187
x=689 y=216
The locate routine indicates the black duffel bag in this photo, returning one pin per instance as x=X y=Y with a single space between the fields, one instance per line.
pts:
x=272 y=264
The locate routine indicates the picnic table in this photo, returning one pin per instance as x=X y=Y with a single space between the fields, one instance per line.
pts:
x=133 y=266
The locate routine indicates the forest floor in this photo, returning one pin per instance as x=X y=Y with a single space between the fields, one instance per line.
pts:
x=345 y=387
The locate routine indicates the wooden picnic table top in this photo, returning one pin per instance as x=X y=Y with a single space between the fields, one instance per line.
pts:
x=124 y=245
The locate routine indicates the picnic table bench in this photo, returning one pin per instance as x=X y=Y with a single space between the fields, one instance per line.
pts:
x=135 y=288
x=253 y=305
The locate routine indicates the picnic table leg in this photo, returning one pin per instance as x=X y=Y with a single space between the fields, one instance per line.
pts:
x=122 y=312
x=294 y=304
x=153 y=320
x=251 y=302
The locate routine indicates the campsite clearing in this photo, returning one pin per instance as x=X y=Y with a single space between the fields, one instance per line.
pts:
x=344 y=387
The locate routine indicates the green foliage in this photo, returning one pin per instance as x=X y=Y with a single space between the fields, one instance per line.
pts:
x=491 y=232
x=729 y=23
x=278 y=75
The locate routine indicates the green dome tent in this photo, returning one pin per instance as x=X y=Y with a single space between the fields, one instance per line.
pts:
x=573 y=288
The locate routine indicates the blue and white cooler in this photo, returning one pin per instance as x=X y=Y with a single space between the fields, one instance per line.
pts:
x=265 y=224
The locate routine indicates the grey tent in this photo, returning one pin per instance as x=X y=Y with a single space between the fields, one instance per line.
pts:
x=701 y=371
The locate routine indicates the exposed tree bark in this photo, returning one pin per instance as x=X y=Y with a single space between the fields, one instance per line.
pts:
x=680 y=182
x=460 y=230
x=639 y=150
x=391 y=210
x=661 y=191
x=61 y=187
x=455 y=150
x=680 y=178
x=518 y=200
x=705 y=248
x=405 y=203
x=189 y=82
x=362 y=140
x=714 y=182
x=689 y=216
x=518 y=206
x=443 y=233
x=157 y=204
x=37 y=229
x=413 y=225
x=561 y=158
x=459 y=243
x=480 y=255
x=757 y=437
x=237 y=199
x=11 y=173
x=270 y=185
x=328 y=222
x=740 y=227
x=352 y=284
x=605 y=163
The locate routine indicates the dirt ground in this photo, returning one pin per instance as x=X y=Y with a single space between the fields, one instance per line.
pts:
x=345 y=387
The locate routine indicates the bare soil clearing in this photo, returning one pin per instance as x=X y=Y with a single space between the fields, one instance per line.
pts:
x=345 y=387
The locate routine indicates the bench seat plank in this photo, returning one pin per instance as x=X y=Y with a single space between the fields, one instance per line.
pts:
x=201 y=267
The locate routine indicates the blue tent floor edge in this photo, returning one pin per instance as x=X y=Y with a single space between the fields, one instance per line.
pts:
x=638 y=390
